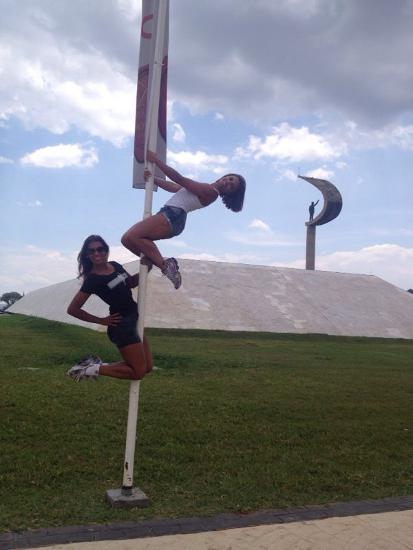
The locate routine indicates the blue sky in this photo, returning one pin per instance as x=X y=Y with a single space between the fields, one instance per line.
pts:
x=268 y=89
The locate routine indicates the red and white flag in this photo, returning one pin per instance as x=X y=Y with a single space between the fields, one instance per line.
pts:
x=146 y=63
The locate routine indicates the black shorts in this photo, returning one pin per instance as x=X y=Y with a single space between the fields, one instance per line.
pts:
x=126 y=332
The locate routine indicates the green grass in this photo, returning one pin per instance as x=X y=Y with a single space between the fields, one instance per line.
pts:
x=231 y=422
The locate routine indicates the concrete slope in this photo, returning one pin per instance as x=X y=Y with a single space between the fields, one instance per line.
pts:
x=224 y=296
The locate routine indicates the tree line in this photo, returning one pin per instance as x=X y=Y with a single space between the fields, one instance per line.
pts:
x=10 y=297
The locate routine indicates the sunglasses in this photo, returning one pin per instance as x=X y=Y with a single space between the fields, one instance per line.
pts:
x=99 y=250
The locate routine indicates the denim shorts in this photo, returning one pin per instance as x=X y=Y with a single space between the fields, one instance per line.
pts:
x=126 y=332
x=176 y=218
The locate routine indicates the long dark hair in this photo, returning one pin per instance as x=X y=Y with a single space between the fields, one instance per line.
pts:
x=234 y=201
x=84 y=262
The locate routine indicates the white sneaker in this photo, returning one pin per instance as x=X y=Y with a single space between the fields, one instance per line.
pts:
x=79 y=371
x=171 y=271
x=89 y=360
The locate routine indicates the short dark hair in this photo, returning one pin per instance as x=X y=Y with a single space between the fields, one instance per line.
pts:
x=234 y=201
x=84 y=262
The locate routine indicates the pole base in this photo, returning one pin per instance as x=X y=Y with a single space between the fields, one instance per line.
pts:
x=131 y=498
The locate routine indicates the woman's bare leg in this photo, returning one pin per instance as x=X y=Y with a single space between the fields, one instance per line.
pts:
x=137 y=361
x=139 y=238
x=134 y=366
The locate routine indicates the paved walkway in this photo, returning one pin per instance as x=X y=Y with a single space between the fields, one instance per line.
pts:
x=386 y=524
x=387 y=531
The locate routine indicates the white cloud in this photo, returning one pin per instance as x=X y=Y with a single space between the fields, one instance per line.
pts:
x=31 y=267
x=402 y=136
x=287 y=143
x=177 y=243
x=226 y=257
x=179 y=133
x=121 y=254
x=260 y=238
x=130 y=8
x=289 y=175
x=62 y=156
x=260 y=235
x=72 y=64
x=5 y=160
x=358 y=138
x=391 y=262
x=322 y=173
x=198 y=161
x=345 y=69
x=259 y=224
x=31 y=204
x=55 y=87
x=394 y=232
x=170 y=110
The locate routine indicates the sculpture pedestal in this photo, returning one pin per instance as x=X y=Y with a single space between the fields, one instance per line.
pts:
x=310 y=247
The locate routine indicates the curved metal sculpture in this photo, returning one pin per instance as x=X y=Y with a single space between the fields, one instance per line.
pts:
x=333 y=203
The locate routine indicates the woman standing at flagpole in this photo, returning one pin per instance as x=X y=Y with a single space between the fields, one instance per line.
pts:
x=189 y=195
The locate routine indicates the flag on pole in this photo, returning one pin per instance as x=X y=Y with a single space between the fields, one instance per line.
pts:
x=146 y=62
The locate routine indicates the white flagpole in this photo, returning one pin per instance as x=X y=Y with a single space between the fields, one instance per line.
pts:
x=130 y=496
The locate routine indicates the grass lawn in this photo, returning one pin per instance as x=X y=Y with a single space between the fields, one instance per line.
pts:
x=230 y=422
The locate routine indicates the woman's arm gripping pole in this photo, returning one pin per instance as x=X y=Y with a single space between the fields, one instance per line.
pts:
x=162 y=183
x=203 y=191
